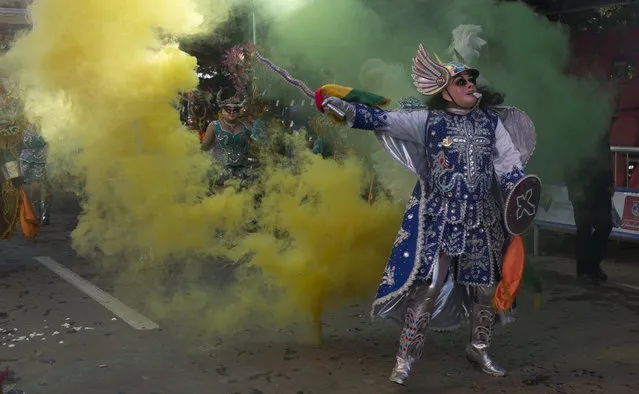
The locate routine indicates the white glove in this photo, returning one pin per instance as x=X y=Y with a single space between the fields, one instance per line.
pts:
x=340 y=108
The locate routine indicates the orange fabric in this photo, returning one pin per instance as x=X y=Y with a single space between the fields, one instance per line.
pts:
x=512 y=272
x=28 y=219
x=201 y=134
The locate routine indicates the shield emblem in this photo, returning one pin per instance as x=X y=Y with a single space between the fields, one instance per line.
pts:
x=522 y=204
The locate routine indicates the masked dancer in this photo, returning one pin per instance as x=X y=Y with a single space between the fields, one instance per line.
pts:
x=471 y=201
x=15 y=206
x=228 y=140
x=33 y=161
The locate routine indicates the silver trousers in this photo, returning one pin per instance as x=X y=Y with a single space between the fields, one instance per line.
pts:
x=419 y=309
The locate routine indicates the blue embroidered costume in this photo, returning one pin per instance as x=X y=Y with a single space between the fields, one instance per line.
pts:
x=447 y=257
x=459 y=214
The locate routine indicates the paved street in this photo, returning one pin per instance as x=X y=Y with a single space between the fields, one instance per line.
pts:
x=56 y=339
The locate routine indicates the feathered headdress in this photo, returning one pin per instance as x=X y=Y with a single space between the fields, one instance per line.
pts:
x=236 y=100
x=237 y=67
x=466 y=43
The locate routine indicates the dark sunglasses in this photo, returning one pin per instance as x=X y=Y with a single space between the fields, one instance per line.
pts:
x=232 y=110
x=461 y=81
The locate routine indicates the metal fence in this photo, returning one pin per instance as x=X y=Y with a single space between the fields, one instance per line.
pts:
x=631 y=155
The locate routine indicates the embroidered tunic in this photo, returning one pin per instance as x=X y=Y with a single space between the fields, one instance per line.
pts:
x=460 y=215
x=33 y=157
x=232 y=149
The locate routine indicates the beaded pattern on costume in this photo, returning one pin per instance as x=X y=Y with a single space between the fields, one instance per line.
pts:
x=482 y=327
x=33 y=157
x=463 y=218
x=34 y=148
x=411 y=104
x=461 y=150
x=477 y=240
x=368 y=118
x=411 y=342
x=509 y=179
x=402 y=235
x=233 y=148
x=388 y=278
x=405 y=257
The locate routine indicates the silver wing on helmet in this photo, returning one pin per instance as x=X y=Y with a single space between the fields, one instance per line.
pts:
x=429 y=76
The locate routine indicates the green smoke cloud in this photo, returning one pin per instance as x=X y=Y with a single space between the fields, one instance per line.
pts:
x=370 y=44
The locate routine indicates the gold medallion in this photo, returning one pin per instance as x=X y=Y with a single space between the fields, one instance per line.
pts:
x=447 y=142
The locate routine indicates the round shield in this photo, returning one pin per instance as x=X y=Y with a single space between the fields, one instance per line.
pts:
x=521 y=204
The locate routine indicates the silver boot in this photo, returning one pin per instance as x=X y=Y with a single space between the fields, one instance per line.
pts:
x=37 y=209
x=416 y=321
x=44 y=213
x=411 y=342
x=483 y=318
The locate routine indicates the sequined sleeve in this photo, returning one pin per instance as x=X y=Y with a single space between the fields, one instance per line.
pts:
x=403 y=125
x=507 y=162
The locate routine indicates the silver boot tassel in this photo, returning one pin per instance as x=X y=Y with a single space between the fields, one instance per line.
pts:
x=483 y=318
x=411 y=342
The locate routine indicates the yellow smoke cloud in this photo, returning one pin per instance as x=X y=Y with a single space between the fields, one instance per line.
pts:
x=100 y=78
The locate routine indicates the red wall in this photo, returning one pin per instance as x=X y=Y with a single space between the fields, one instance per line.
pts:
x=595 y=53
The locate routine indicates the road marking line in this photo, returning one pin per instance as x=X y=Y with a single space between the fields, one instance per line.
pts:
x=130 y=316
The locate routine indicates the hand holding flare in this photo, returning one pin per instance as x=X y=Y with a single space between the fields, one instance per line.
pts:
x=347 y=94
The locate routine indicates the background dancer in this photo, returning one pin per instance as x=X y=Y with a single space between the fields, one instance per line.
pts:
x=228 y=139
x=33 y=161
x=15 y=206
